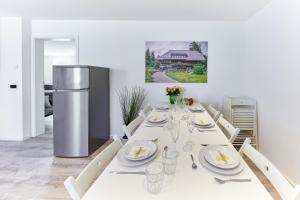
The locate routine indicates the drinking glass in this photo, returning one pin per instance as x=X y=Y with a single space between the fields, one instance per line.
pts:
x=169 y=125
x=177 y=104
x=188 y=146
x=170 y=161
x=154 y=177
x=175 y=131
x=185 y=112
x=189 y=122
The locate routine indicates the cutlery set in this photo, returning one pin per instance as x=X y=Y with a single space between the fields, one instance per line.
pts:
x=194 y=165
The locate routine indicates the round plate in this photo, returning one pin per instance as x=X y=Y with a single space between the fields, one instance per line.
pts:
x=196 y=108
x=156 y=123
x=156 y=119
x=216 y=170
x=202 y=122
x=231 y=153
x=128 y=163
x=145 y=144
x=163 y=107
x=204 y=127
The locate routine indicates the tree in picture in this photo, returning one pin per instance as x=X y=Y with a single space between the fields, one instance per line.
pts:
x=171 y=62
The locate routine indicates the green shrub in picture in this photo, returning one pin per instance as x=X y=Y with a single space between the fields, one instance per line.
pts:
x=181 y=64
x=198 y=69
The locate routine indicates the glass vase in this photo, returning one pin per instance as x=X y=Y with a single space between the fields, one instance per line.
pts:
x=172 y=98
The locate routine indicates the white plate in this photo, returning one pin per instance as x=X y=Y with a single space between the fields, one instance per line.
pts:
x=160 y=124
x=128 y=163
x=156 y=119
x=196 y=108
x=232 y=154
x=204 y=127
x=202 y=122
x=151 y=146
x=163 y=107
x=216 y=170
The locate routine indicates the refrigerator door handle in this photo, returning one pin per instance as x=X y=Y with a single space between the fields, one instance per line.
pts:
x=77 y=90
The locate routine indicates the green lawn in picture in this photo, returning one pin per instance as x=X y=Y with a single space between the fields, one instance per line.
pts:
x=185 y=77
x=149 y=72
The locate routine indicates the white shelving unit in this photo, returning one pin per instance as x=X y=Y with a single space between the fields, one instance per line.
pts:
x=242 y=113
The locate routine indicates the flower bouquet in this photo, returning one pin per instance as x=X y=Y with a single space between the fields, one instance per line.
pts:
x=173 y=93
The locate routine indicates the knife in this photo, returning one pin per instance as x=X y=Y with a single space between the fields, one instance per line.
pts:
x=223 y=157
x=124 y=172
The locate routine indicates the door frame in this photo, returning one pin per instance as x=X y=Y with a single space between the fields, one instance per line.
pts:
x=34 y=38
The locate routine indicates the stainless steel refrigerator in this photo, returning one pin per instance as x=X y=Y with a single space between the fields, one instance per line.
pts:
x=80 y=109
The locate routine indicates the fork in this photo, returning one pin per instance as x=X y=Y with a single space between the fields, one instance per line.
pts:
x=223 y=181
x=206 y=130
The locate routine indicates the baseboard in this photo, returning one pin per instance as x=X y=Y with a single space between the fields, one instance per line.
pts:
x=9 y=138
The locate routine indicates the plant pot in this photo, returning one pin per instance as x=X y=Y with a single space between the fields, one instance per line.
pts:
x=172 y=98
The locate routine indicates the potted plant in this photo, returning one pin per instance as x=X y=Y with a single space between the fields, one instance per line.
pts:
x=173 y=93
x=131 y=101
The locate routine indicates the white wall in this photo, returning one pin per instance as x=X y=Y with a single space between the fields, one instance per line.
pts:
x=120 y=45
x=11 y=118
x=272 y=77
x=26 y=74
x=57 y=53
x=39 y=103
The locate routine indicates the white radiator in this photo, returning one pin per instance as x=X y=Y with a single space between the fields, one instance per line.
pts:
x=242 y=113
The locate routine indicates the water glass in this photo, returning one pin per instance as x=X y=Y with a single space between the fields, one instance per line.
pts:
x=155 y=177
x=188 y=146
x=175 y=130
x=170 y=161
x=190 y=124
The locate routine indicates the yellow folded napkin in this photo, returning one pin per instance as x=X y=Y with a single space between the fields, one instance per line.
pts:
x=155 y=118
x=138 y=151
x=222 y=157
x=201 y=121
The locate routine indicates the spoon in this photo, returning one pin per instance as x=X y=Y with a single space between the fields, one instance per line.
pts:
x=165 y=150
x=194 y=166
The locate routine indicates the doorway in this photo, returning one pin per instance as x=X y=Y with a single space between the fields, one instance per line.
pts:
x=46 y=52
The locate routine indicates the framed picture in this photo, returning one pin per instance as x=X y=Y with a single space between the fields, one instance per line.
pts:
x=173 y=62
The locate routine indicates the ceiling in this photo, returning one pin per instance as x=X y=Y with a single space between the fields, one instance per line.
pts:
x=133 y=9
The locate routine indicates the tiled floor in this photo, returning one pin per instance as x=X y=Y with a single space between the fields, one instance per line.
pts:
x=28 y=170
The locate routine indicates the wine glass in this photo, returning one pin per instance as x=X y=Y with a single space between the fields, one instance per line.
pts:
x=190 y=125
x=186 y=110
x=175 y=131
x=177 y=103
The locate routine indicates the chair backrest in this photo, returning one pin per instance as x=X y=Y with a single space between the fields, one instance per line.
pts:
x=77 y=187
x=131 y=127
x=230 y=130
x=281 y=184
x=214 y=113
x=145 y=111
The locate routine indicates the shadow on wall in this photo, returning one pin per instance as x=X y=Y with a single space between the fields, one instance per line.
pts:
x=118 y=79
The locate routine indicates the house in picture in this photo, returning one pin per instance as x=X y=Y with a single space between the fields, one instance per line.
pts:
x=180 y=59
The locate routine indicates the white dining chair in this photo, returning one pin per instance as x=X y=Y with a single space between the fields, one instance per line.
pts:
x=214 y=113
x=286 y=190
x=132 y=126
x=230 y=131
x=78 y=187
x=146 y=111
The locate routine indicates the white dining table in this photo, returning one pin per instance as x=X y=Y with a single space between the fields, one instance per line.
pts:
x=187 y=183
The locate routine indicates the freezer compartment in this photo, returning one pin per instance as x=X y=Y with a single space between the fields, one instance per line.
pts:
x=70 y=77
x=71 y=123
